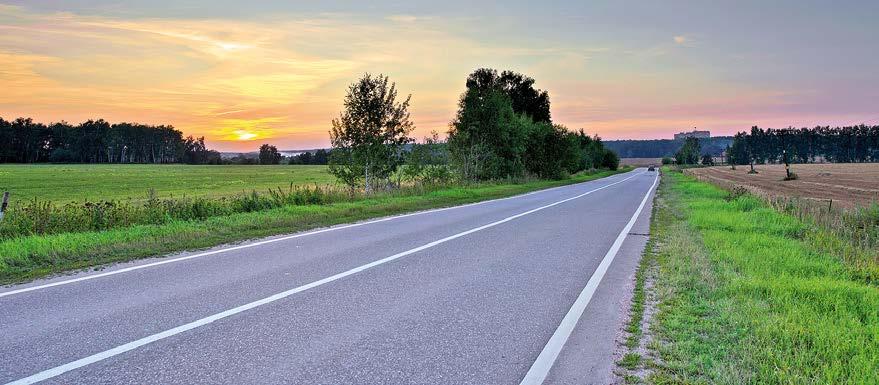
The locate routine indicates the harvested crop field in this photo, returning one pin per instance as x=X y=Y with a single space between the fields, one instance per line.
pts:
x=848 y=185
x=640 y=161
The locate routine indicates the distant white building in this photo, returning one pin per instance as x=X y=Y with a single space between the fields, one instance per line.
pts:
x=693 y=134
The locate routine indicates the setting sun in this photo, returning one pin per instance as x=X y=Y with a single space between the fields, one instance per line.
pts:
x=244 y=135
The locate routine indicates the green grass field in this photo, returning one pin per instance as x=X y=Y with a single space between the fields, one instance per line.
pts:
x=747 y=295
x=78 y=182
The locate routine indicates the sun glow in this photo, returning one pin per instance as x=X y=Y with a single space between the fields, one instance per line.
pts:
x=245 y=135
x=231 y=46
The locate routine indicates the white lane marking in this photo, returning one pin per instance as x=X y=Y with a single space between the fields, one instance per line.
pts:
x=260 y=243
x=58 y=370
x=541 y=367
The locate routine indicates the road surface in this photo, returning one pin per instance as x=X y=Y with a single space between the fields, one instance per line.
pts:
x=524 y=290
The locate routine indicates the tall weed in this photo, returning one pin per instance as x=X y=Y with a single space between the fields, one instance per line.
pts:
x=40 y=217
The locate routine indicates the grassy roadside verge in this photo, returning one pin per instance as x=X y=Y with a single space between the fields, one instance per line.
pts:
x=31 y=257
x=746 y=296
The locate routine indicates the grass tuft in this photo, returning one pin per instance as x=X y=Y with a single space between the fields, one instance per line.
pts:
x=630 y=361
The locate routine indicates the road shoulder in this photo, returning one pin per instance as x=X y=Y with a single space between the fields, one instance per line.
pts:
x=588 y=357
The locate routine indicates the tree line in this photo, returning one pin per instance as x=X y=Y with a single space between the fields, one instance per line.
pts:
x=658 y=148
x=502 y=129
x=851 y=144
x=96 y=141
x=319 y=157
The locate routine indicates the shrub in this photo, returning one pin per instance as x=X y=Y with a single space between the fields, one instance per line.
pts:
x=611 y=160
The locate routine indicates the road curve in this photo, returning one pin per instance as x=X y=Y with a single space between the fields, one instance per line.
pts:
x=524 y=290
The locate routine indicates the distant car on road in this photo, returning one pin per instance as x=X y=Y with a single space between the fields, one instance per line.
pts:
x=651 y=168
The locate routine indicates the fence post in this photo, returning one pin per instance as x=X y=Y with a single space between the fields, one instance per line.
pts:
x=4 y=204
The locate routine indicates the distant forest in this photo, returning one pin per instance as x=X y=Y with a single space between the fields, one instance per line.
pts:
x=852 y=144
x=658 y=148
x=97 y=141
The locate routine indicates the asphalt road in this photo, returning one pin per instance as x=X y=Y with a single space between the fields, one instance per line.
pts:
x=530 y=289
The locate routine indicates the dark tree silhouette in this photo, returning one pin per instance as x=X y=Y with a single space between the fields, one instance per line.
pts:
x=804 y=145
x=269 y=154
x=524 y=98
x=97 y=141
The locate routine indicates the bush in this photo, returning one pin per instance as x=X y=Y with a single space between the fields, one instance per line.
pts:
x=611 y=160
x=550 y=153
x=707 y=160
x=667 y=161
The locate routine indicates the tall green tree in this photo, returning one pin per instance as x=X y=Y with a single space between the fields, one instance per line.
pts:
x=738 y=153
x=487 y=138
x=496 y=114
x=524 y=98
x=369 y=133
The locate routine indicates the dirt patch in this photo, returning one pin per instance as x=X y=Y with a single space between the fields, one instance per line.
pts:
x=848 y=185
x=649 y=356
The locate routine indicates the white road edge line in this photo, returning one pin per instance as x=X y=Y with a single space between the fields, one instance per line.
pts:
x=545 y=360
x=58 y=370
x=260 y=243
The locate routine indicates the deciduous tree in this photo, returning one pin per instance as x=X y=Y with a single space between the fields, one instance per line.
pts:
x=368 y=136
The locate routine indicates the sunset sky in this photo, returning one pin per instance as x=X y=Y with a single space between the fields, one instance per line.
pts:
x=243 y=73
